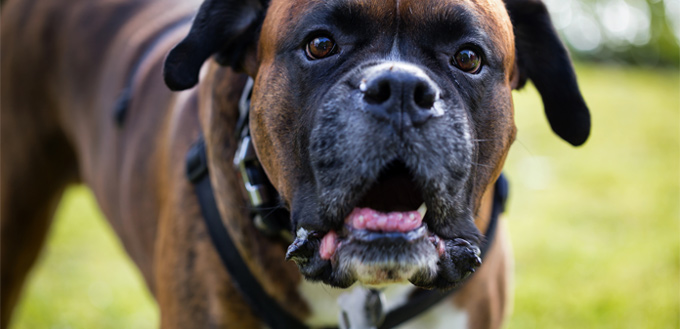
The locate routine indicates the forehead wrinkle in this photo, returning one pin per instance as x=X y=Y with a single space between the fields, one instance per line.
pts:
x=361 y=12
x=450 y=19
x=376 y=9
x=373 y=9
x=291 y=14
x=477 y=13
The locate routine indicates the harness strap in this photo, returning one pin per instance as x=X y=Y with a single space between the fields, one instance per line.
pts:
x=251 y=290
x=122 y=104
x=267 y=308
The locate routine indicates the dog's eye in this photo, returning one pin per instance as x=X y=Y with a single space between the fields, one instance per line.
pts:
x=468 y=61
x=320 y=47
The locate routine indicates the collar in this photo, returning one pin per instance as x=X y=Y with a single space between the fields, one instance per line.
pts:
x=266 y=211
x=262 y=197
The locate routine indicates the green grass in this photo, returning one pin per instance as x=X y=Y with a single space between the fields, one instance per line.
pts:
x=595 y=229
x=84 y=278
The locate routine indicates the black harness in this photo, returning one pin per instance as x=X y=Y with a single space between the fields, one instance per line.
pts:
x=263 y=198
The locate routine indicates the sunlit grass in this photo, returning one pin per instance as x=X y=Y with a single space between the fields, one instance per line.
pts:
x=83 y=278
x=596 y=235
x=595 y=229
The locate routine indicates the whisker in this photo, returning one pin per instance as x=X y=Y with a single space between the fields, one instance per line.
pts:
x=519 y=141
x=485 y=140
x=482 y=165
x=261 y=208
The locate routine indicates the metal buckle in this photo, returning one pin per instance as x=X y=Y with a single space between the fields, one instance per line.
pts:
x=252 y=175
x=361 y=308
x=261 y=195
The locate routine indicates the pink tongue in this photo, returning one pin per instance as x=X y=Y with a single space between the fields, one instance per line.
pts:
x=398 y=221
x=328 y=244
x=369 y=219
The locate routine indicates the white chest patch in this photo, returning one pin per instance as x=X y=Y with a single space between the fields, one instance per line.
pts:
x=323 y=305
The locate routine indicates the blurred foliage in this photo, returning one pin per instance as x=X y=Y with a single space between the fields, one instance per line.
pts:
x=641 y=32
x=595 y=228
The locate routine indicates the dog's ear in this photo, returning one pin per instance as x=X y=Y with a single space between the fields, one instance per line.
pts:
x=226 y=28
x=542 y=57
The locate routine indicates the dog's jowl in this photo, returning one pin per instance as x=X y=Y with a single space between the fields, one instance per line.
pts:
x=372 y=138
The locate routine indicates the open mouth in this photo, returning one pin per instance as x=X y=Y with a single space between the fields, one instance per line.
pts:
x=384 y=238
x=393 y=191
x=367 y=225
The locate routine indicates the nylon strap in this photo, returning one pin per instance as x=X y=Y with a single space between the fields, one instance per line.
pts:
x=263 y=305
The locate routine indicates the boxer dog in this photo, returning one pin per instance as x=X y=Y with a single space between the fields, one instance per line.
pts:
x=362 y=113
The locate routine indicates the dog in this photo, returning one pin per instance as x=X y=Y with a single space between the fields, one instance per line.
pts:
x=362 y=112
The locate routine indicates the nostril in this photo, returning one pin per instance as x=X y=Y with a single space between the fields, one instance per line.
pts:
x=378 y=92
x=424 y=96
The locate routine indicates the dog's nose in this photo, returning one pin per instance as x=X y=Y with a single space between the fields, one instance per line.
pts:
x=403 y=97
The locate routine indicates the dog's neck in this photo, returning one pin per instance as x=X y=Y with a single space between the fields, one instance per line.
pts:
x=264 y=256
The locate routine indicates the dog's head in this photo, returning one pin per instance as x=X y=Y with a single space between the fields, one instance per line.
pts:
x=383 y=123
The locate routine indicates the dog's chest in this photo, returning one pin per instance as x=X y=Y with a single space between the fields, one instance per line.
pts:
x=324 y=309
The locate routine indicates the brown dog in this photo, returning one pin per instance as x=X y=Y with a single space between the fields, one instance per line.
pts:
x=361 y=111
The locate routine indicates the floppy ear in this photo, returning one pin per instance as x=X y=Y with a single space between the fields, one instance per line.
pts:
x=542 y=57
x=223 y=27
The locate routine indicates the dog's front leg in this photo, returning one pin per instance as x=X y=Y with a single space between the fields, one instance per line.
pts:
x=192 y=287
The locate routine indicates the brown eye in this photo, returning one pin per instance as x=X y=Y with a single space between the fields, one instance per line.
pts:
x=320 y=47
x=468 y=61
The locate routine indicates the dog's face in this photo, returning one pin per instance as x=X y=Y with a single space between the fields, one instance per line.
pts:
x=365 y=111
x=382 y=124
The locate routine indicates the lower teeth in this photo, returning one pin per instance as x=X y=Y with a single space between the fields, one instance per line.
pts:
x=422 y=210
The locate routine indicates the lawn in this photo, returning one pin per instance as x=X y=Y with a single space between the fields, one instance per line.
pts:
x=595 y=229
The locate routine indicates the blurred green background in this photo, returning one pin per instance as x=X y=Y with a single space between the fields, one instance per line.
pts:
x=639 y=32
x=595 y=229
